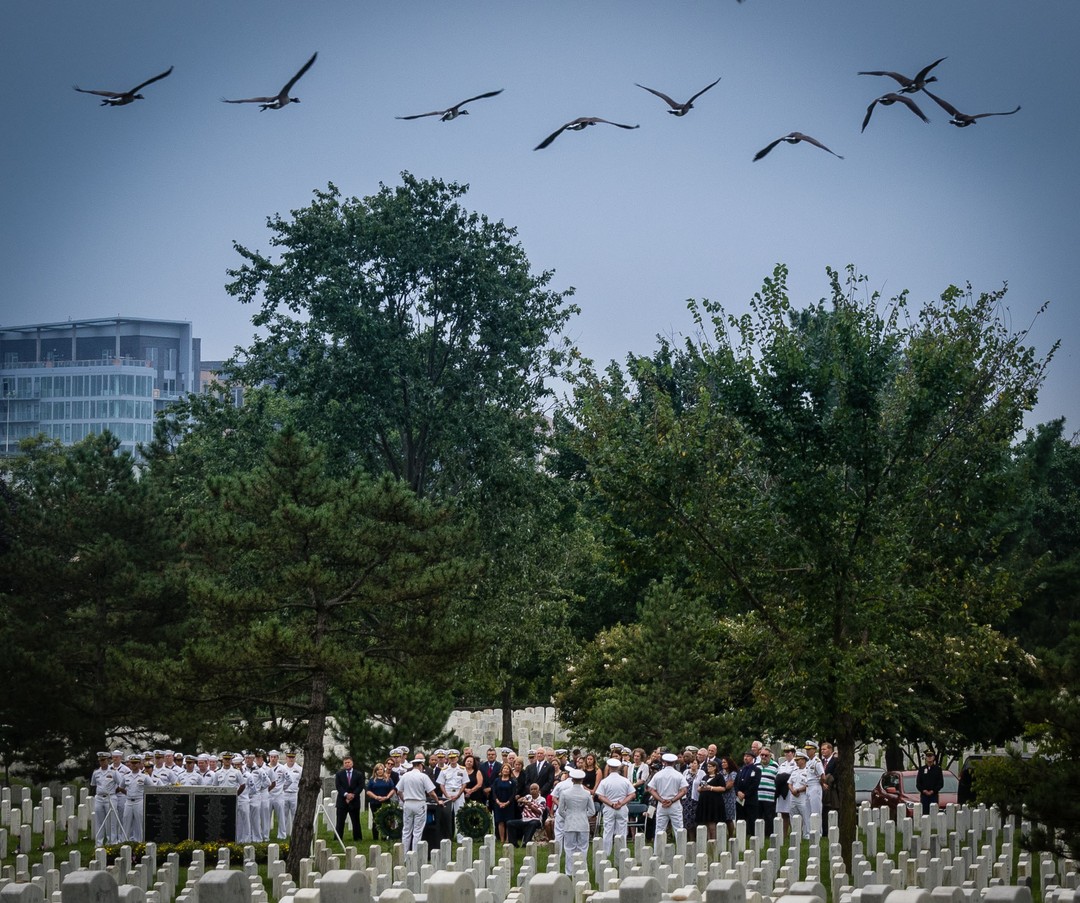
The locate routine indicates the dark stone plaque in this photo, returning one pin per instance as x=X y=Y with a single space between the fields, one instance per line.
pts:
x=215 y=816
x=167 y=814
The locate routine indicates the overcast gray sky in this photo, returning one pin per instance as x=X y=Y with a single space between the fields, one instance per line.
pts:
x=133 y=210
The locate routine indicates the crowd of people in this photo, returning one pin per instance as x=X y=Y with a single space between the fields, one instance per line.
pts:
x=556 y=793
x=560 y=793
x=266 y=789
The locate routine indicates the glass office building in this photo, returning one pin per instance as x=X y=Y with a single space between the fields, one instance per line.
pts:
x=69 y=380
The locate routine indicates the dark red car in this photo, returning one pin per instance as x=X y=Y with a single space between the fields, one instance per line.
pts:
x=896 y=789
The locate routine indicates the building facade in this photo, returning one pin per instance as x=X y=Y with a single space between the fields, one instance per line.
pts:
x=70 y=380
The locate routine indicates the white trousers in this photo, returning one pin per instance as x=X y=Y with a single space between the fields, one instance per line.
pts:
x=413 y=821
x=666 y=815
x=616 y=822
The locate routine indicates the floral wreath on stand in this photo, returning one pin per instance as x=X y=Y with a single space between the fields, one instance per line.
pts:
x=474 y=820
x=388 y=820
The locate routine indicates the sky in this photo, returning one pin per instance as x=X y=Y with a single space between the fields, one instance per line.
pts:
x=133 y=210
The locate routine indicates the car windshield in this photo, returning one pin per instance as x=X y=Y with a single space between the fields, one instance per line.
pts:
x=951 y=783
x=865 y=780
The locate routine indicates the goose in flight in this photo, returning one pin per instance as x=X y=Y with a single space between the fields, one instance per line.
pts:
x=576 y=125
x=910 y=85
x=282 y=98
x=454 y=111
x=678 y=109
x=887 y=100
x=963 y=120
x=121 y=98
x=793 y=138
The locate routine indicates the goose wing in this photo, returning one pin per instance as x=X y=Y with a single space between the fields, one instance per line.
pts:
x=292 y=81
x=99 y=93
x=557 y=132
x=250 y=100
x=944 y=104
x=814 y=142
x=150 y=81
x=902 y=79
x=702 y=91
x=478 y=97
x=921 y=76
x=768 y=147
x=911 y=105
x=1006 y=113
x=671 y=103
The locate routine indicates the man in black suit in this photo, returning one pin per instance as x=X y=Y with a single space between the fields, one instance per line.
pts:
x=830 y=780
x=349 y=783
x=539 y=771
x=489 y=771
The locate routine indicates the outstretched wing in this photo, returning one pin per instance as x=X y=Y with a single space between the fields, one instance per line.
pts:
x=619 y=124
x=768 y=147
x=150 y=81
x=869 y=112
x=903 y=79
x=555 y=135
x=671 y=103
x=292 y=81
x=925 y=71
x=250 y=100
x=1006 y=113
x=944 y=104
x=99 y=93
x=702 y=91
x=422 y=115
x=911 y=105
x=478 y=97
x=814 y=142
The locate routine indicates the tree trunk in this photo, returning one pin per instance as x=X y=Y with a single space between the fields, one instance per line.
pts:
x=845 y=748
x=894 y=756
x=507 y=715
x=309 y=794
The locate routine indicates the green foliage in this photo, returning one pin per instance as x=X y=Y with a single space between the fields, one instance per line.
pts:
x=90 y=603
x=833 y=478
x=412 y=329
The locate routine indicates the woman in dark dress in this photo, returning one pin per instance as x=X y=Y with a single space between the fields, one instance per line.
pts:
x=503 y=801
x=591 y=773
x=379 y=789
x=474 y=785
x=710 y=808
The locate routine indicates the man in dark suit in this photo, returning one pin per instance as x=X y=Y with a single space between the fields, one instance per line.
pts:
x=349 y=783
x=830 y=780
x=539 y=771
x=489 y=770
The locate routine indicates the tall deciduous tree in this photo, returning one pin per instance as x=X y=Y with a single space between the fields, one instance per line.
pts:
x=87 y=602
x=311 y=582
x=413 y=329
x=834 y=477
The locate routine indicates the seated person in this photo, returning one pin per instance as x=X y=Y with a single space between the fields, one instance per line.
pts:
x=532 y=810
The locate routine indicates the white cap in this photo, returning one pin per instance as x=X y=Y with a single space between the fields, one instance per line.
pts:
x=670 y=758
x=576 y=773
x=615 y=763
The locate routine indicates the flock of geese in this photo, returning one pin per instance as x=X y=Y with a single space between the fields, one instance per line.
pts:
x=908 y=87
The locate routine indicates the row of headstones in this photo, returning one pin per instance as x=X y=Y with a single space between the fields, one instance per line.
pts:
x=20 y=819
x=532 y=727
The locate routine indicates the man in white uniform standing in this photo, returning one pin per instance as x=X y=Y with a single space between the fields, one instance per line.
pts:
x=616 y=793
x=576 y=804
x=414 y=789
x=667 y=788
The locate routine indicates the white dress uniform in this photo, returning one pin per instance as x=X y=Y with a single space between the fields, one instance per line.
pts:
x=277 y=795
x=814 y=772
x=135 y=791
x=453 y=779
x=577 y=805
x=668 y=784
x=262 y=801
x=797 y=796
x=231 y=776
x=292 y=787
x=107 y=825
x=558 y=820
x=783 y=803
x=414 y=788
x=614 y=788
x=190 y=778
x=122 y=774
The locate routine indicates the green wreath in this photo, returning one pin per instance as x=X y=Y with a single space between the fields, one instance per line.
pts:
x=388 y=820
x=474 y=820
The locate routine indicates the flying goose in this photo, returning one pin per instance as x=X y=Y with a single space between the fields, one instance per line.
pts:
x=576 y=125
x=454 y=111
x=121 y=98
x=887 y=100
x=678 y=109
x=282 y=98
x=910 y=85
x=963 y=120
x=793 y=138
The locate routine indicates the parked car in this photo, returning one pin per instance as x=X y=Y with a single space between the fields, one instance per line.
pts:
x=896 y=789
x=866 y=778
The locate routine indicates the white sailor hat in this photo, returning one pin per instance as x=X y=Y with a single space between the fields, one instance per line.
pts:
x=190 y=758
x=418 y=759
x=203 y=757
x=118 y=752
x=576 y=773
x=670 y=758
x=102 y=754
x=453 y=753
x=134 y=757
x=440 y=752
x=691 y=749
x=560 y=752
x=275 y=752
x=615 y=763
x=810 y=744
x=615 y=746
x=799 y=754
